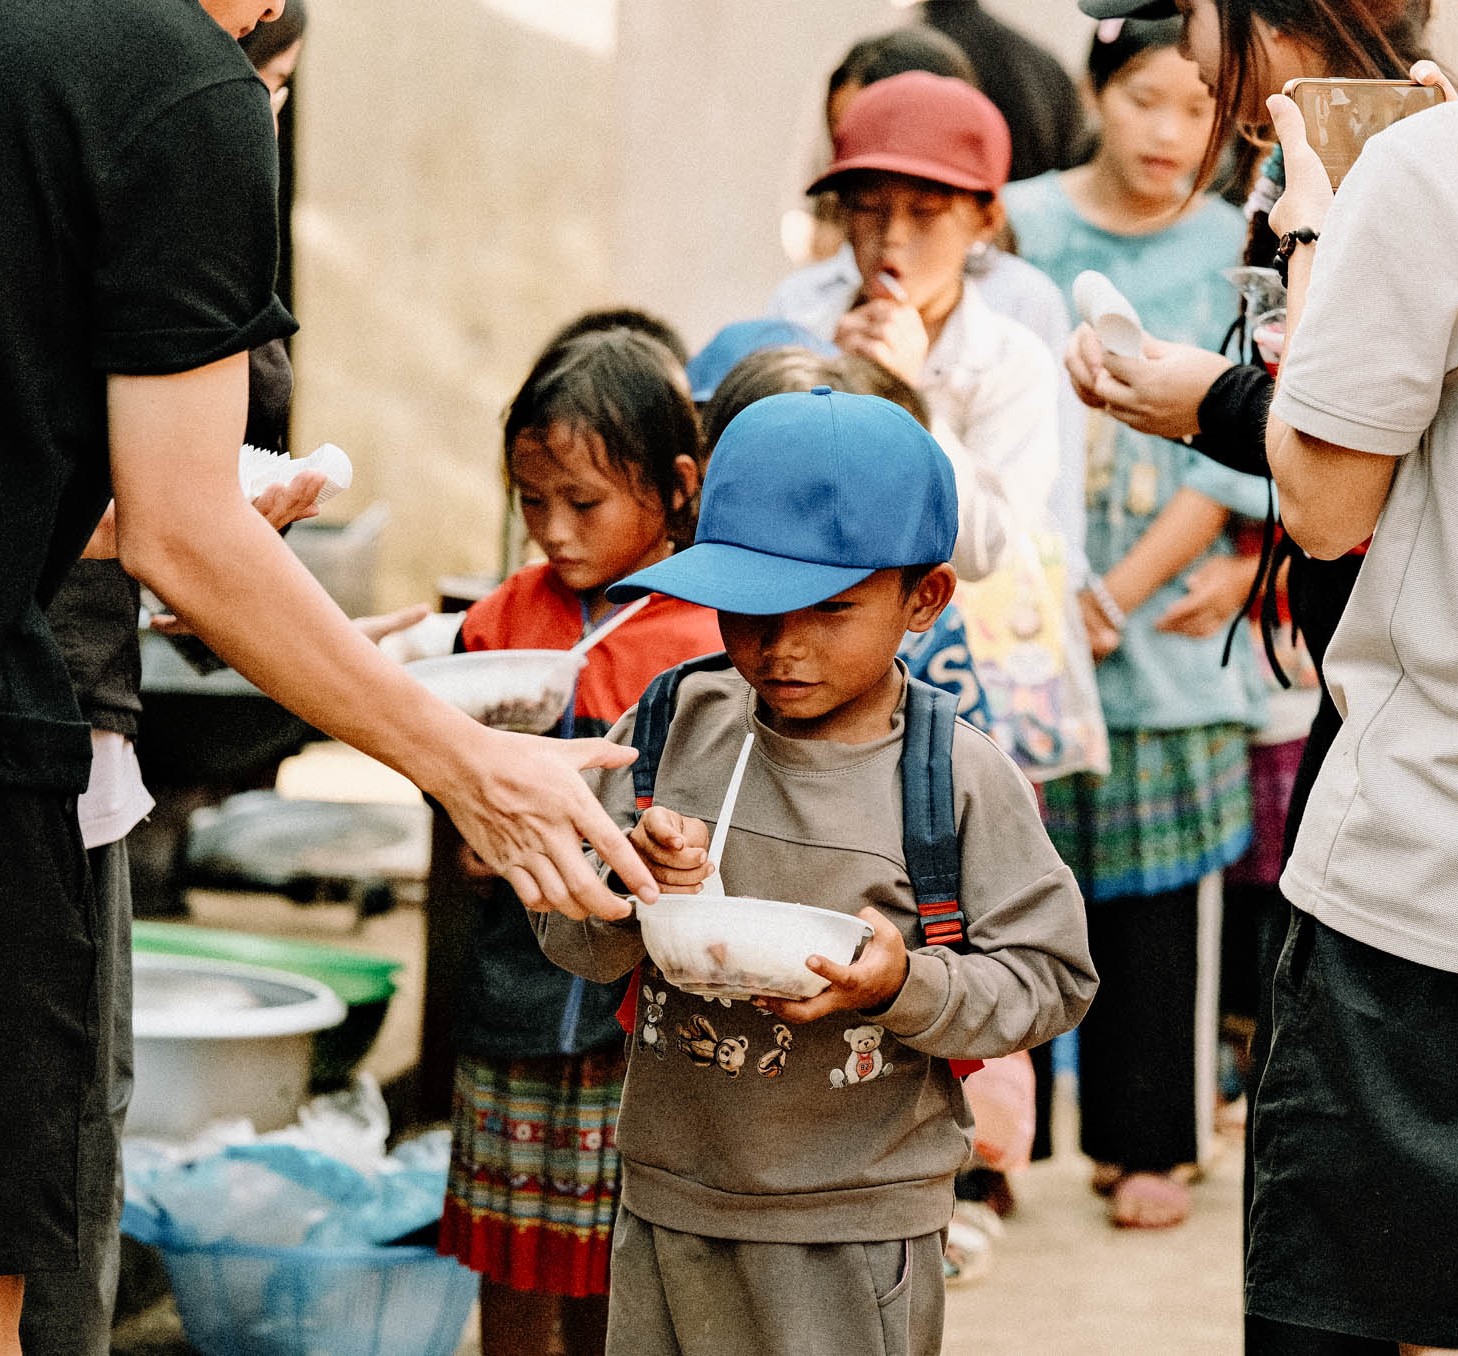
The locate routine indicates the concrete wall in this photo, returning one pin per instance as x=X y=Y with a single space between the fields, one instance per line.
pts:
x=472 y=173
x=457 y=175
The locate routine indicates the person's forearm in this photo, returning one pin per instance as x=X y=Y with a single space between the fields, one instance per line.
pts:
x=185 y=529
x=1331 y=496
x=1233 y=419
x=268 y=617
x=1185 y=529
x=227 y=574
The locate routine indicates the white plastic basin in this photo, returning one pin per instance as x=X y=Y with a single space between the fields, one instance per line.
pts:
x=523 y=690
x=221 y=1040
x=736 y=947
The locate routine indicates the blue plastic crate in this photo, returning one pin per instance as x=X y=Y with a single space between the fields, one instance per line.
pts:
x=237 y=1300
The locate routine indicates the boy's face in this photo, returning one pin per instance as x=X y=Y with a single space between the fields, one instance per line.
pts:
x=917 y=231
x=826 y=671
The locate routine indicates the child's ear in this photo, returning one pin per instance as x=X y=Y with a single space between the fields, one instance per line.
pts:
x=931 y=597
x=687 y=480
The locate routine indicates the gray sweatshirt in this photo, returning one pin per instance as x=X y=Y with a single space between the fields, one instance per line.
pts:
x=849 y=1128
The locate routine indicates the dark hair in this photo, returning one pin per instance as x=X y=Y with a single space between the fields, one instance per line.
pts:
x=622 y=318
x=1132 y=40
x=766 y=372
x=863 y=376
x=917 y=47
x=912 y=575
x=772 y=371
x=627 y=389
x=1368 y=39
x=266 y=41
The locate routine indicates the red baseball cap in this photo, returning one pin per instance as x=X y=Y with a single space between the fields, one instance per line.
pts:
x=934 y=127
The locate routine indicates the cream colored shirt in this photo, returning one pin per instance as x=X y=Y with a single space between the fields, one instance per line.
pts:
x=1374 y=367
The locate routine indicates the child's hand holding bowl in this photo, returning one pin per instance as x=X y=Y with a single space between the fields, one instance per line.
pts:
x=871 y=983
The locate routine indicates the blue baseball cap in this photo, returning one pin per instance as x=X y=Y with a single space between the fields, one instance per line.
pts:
x=807 y=494
x=712 y=363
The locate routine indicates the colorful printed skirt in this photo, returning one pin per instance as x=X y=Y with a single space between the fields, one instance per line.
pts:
x=1175 y=806
x=533 y=1184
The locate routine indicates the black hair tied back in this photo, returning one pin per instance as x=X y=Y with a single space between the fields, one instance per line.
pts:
x=1117 y=42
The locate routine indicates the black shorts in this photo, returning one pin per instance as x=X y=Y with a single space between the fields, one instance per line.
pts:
x=49 y=1015
x=1352 y=1228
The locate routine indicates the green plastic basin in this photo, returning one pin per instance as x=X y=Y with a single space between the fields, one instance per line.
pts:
x=364 y=983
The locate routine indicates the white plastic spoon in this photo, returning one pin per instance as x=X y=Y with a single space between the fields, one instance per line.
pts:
x=714 y=885
x=610 y=625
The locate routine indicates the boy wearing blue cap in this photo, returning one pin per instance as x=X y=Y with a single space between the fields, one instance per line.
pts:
x=788 y=1166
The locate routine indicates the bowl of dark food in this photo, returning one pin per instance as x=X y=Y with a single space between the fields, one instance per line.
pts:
x=523 y=690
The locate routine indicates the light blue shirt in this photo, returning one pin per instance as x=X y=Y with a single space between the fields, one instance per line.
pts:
x=1173 y=278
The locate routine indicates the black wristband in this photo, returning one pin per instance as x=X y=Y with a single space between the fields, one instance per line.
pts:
x=1232 y=419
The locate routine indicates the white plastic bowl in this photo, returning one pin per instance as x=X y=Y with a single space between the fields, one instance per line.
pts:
x=219 y=1040
x=524 y=690
x=735 y=947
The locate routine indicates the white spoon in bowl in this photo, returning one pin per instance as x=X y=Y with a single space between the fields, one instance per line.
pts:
x=714 y=885
x=611 y=625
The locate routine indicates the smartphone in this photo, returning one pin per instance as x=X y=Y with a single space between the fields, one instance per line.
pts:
x=1341 y=114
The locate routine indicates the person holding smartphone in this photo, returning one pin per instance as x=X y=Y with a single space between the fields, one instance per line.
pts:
x=1361 y=1083
x=1247 y=50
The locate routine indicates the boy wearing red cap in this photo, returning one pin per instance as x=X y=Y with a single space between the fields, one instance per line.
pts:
x=788 y=1164
x=919 y=161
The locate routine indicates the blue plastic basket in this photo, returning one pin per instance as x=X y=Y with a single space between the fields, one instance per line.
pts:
x=261 y=1301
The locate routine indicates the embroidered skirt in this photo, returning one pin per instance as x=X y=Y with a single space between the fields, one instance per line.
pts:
x=533 y=1183
x=1175 y=806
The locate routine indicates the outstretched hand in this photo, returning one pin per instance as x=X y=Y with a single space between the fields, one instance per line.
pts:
x=1160 y=391
x=872 y=982
x=674 y=848
x=375 y=628
x=526 y=813
x=281 y=505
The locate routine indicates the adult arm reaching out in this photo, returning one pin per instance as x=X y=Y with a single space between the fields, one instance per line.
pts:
x=518 y=800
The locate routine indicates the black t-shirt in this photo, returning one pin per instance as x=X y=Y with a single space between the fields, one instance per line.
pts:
x=138 y=235
x=1025 y=81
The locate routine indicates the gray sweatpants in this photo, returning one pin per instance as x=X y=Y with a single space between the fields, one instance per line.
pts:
x=68 y=1313
x=679 y=1294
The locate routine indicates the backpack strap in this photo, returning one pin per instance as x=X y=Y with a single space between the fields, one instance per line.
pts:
x=929 y=823
x=928 y=814
x=655 y=715
x=650 y=734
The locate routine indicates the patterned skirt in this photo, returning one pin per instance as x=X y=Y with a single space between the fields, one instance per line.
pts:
x=1273 y=769
x=1175 y=806
x=533 y=1183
